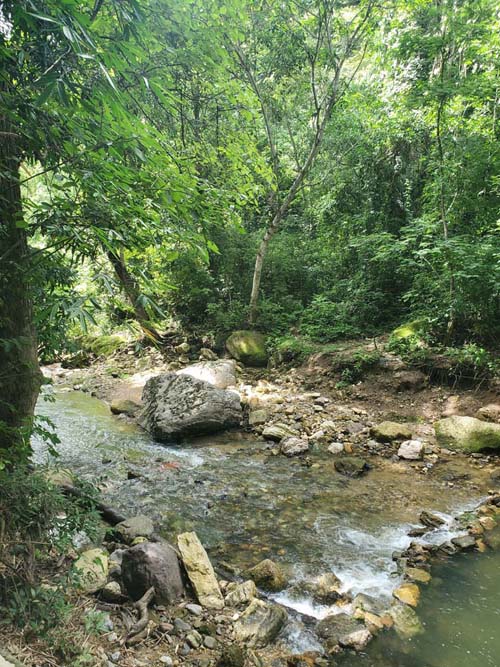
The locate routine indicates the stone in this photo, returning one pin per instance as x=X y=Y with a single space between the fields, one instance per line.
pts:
x=249 y=347
x=112 y=592
x=6 y=663
x=489 y=413
x=166 y=660
x=276 y=432
x=268 y=575
x=487 y=522
x=417 y=574
x=259 y=624
x=136 y=526
x=194 y=609
x=336 y=448
x=351 y=466
x=293 y=446
x=183 y=348
x=410 y=380
x=181 y=626
x=357 y=640
x=326 y=589
x=207 y=354
x=92 y=569
x=232 y=656
x=257 y=417
x=411 y=450
x=406 y=622
x=388 y=431
x=209 y=642
x=179 y=406
x=407 y=593
x=367 y=603
x=464 y=542
x=194 y=639
x=492 y=538
x=467 y=434
x=240 y=594
x=431 y=520
x=200 y=571
x=333 y=628
x=220 y=373
x=124 y=406
x=152 y=564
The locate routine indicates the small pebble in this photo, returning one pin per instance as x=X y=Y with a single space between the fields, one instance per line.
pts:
x=194 y=609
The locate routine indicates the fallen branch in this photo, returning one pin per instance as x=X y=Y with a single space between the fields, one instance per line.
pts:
x=143 y=620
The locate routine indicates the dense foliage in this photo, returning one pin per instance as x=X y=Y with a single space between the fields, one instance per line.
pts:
x=336 y=159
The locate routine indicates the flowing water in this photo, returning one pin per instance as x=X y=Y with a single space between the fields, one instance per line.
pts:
x=247 y=505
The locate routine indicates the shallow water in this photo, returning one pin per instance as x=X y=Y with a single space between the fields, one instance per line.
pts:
x=246 y=505
x=461 y=612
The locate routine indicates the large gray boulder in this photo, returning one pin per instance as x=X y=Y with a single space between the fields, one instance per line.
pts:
x=467 y=434
x=152 y=564
x=179 y=406
x=221 y=373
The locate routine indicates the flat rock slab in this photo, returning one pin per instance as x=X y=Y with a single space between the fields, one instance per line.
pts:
x=388 y=431
x=179 y=406
x=135 y=526
x=411 y=450
x=200 y=571
x=335 y=627
x=92 y=568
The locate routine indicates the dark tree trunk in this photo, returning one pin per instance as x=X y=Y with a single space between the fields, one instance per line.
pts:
x=133 y=293
x=20 y=376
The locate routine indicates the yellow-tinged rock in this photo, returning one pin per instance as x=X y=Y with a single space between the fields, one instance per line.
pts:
x=487 y=522
x=373 y=622
x=481 y=546
x=200 y=571
x=408 y=593
x=92 y=568
x=417 y=574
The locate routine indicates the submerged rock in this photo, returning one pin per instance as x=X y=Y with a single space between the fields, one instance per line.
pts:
x=259 y=624
x=92 y=569
x=178 y=406
x=351 y=466
x=357 y=640
x=464 y=542
x=406 y=622
x=200 y=571
x=268 y=575
x=152 y=564
x=249 y=347
x=467 y=434
x=388 y=431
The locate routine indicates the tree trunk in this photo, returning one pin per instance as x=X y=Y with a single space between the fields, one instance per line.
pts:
x=20 y=376
x=133 y=293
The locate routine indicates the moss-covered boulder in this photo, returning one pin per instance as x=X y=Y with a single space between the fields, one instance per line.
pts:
x=103 y=346
x=249 y=347
x=412 y=329
x=467 y=434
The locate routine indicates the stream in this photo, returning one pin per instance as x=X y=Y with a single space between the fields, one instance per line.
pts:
x=246 y=505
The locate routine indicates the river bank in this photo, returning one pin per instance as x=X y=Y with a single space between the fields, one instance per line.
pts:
x=248 y=501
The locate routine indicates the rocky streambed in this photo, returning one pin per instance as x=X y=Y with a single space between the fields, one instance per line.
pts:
x=247 y=502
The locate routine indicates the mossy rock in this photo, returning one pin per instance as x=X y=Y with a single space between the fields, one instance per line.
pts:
x=249 y=347
x=412 y=329
x=103 y=346
x=467 y=434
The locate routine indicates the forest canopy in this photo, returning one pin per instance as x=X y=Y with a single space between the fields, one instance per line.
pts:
x=325 y=168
